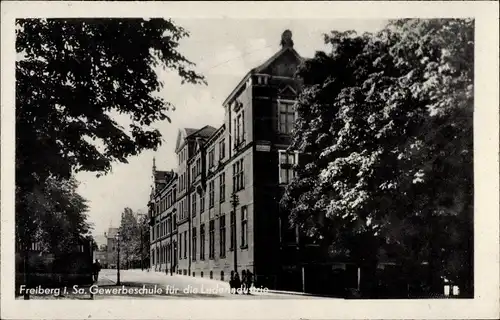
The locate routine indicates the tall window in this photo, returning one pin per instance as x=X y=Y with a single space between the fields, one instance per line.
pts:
x=193 y=243
x=222 y=149
x=180 y=246
x=202 y=242
x=238 y=182
x=233 y=230
x=286 y=163
x=193 y=172
x=185 y=244
x=222 y=232
x=198 y=166
x=222 y=187
x=202 y=203
x=193 y=204
x=211 y=193
x=185 y=207
x=244 y=226
x=286 y=118
x=181 y=210
x=211 y=239
x=240 y=128
x=211 y=158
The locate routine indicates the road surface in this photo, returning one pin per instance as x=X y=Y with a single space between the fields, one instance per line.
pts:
x=156 y=285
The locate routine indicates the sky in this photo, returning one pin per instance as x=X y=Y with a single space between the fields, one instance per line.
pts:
x=224 y=50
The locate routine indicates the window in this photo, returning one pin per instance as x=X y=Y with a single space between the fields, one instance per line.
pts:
x=211 y=158
x=180 y=246
x=193 y=173
x=185 y=208
x=211 y=239
x=185 y=244
x=233 y=230
x=244 y=227
x=286 y=163
x=222 y=187
x=198 y=166
x=202 y=203
x=193 y=204
x=239 y=128
x=222 y=232
x=193 y=243
x=181 y=210
x=286 y=119
x=175 y=222
x=222 y=149
x=238 y=182
x=202 y=242
x=211 y=194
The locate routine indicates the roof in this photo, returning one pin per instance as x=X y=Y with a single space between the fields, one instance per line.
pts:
x=163 y=175
x=185 y=133
x=190 y=131
x=261 y=68
x=204 y=132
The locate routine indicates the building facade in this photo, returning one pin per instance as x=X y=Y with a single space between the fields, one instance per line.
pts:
x=197 y=228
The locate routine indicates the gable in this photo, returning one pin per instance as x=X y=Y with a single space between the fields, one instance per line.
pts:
x=283 y=65
x=181 y=135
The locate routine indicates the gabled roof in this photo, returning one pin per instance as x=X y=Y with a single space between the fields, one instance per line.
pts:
x=262 y=68
x=185 y=133
x=204 y=132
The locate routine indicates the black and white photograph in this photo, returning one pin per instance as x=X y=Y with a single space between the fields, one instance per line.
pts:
x=224 y=159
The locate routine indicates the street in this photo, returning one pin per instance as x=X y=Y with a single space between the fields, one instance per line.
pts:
x=174 y=286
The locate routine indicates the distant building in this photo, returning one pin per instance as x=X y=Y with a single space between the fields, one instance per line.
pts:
x=111 y=257
x=194 y=229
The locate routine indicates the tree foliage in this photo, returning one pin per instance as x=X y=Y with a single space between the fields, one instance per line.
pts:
x=74 y=72
x=134 y=231
x=72 y=76
x=59 y=215
x=385 y=120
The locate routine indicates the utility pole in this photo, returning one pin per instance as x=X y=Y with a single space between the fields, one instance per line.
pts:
x=235 y=201
x=142 y=251
x=118 y=259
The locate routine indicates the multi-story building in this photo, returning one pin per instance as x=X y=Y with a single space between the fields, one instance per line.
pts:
x=195 y=229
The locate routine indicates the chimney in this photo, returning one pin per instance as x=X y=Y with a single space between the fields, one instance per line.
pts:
x=286 y=39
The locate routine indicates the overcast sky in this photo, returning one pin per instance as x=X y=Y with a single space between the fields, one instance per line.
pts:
x=224 y=50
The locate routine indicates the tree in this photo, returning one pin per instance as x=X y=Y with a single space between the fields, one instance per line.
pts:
x=60 y=215
x=71 y=76
x=130 y=236
x=385 y=121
